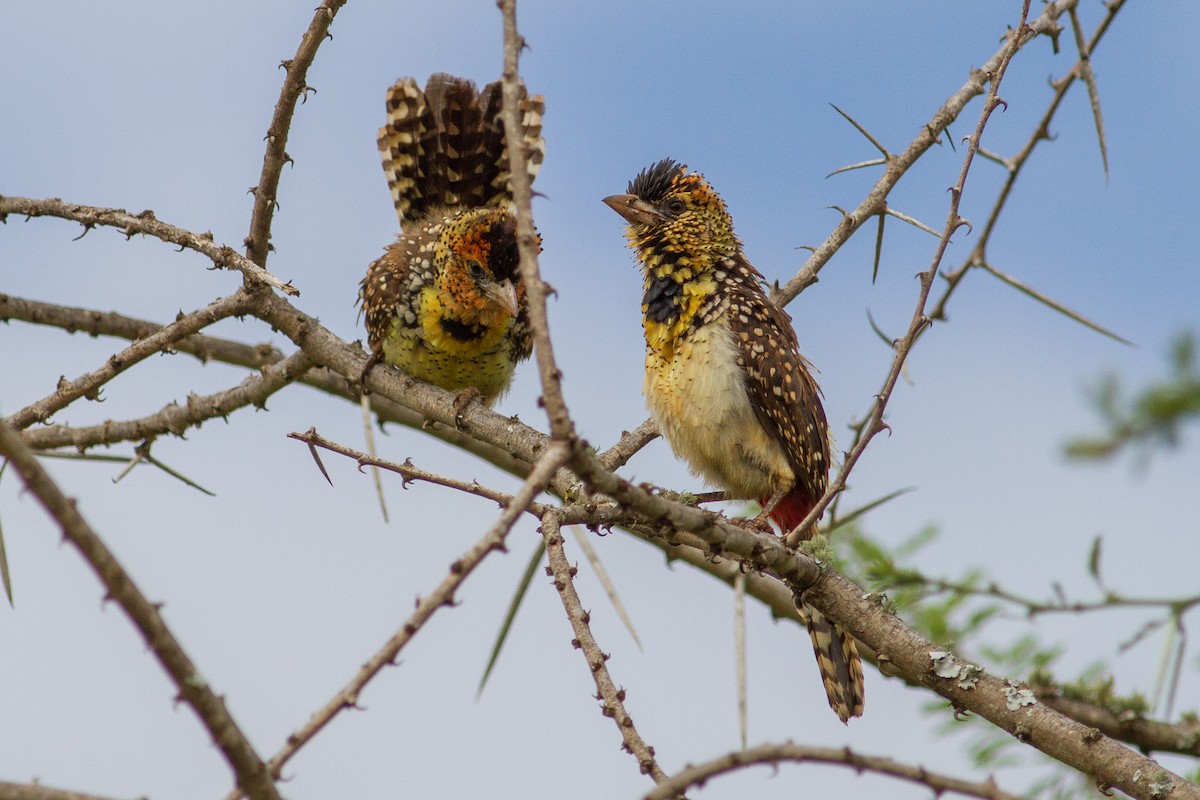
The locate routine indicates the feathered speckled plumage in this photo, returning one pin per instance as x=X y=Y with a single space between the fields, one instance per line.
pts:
x=445 y=302
x=725 y=380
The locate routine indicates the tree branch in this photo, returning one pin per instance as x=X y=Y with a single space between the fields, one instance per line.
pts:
x=175 y=419
x=897 y=165
x=161 y=340
x=561 y=426
x=145 y=223
x=427 y=606
x=772 y=754
x=258 y=241
x=248 y=768
x=409 y=473
x=875 y=424
x=251 y=356
x=1016 y=165
x=612 y=699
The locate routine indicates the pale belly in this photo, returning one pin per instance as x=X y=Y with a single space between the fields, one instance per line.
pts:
x=698 y=398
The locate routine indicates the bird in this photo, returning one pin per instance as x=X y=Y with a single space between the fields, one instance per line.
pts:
x=445 y=302
x=725 y=381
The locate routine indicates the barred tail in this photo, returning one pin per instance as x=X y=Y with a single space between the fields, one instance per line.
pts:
x=445 y=146
x=837 y=659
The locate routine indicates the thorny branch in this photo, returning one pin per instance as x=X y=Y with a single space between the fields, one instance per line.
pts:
x=176 y=419
x=612 y=699
x=144 y=223
x=258 y=241
x=716 y=537
x=1033 y=607
x=1015 y=165
x=226 y=351
x=442 y=596
x=670 y=525
x=163 y=339
x=773 y=754
x=561 y=426
x=875 y=424
x=248 y=768
x=409 y=473
x=898 y=164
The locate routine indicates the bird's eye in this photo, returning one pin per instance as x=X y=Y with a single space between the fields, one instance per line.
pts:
x=476 y=269
x=675 y=206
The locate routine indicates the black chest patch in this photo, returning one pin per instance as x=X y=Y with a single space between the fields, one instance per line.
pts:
x=461 y=331
x=661 y=300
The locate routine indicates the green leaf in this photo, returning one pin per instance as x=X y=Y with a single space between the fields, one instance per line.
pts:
x=4 y=576
x=513 y=607
x=1094 y=558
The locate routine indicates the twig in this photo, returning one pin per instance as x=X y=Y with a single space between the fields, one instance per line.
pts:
x=1146 y=734
x=773 y=754
x=611 y=698
x=897 y=165
x=36 y=791
x=628 y=445
x=175 y=419
x=258 y=241
x=408 y=472
x=252 y=356
x=145 y=223
x=561 y=426
x=920 y=321
x=249 y=770
x=1015 y=166
x=88 y=385
x=427 y=606
x=1112 y=600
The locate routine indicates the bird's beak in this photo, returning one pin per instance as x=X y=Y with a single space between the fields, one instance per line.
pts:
x=634 y=209
x=503 y=294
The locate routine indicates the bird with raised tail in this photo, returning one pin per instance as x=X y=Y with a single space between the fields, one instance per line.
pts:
x=445 y=302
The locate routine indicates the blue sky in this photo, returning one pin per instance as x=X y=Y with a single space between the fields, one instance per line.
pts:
x=281 y=586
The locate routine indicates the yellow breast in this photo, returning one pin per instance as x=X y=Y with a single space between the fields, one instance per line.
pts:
x=435 y=356
x=696 y=391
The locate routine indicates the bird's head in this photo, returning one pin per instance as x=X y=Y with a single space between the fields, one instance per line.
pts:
x=478 y=281
x=675 y=217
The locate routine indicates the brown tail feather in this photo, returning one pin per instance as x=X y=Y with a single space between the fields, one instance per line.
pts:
x=445 y=146
x=839 y=663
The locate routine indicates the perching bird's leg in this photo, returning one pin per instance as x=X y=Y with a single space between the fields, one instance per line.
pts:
x=769 y=506
x=462 y=399
x=375 y=358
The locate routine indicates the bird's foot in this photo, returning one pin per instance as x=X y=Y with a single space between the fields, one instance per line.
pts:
x=462 y=400
x=759 y=524
x=361 y=382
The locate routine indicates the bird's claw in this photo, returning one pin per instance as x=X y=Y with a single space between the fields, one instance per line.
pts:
x=462 y=399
